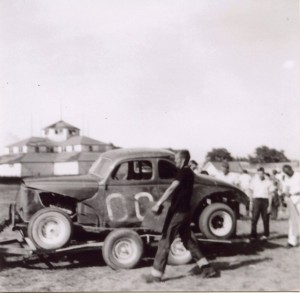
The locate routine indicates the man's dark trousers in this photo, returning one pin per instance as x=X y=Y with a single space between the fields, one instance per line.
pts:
x=176 y=224
x=260 y=207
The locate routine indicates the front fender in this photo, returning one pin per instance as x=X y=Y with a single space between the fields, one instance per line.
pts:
x=228 y=193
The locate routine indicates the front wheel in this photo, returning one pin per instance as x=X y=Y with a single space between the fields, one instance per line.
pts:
x=217 y=221
x=122 y=249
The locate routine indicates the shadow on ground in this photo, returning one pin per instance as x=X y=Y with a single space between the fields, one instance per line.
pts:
x=94 y=258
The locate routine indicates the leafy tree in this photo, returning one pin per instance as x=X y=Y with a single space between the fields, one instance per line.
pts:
x=219 y=155
x=264 y=154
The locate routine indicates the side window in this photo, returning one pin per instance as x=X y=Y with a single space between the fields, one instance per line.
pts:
x=166 y=170
x=133 y=170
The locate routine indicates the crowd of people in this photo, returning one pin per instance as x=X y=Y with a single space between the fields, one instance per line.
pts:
x=267 y=193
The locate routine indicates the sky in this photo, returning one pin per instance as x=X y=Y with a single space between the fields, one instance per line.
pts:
x=195 y=74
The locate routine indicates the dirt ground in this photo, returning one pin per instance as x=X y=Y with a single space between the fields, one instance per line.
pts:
x=260 y=266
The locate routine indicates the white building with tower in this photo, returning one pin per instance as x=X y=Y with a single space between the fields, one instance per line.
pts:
x=60 y=151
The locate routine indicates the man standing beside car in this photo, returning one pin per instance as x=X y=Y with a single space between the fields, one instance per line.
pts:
x=178 y=221
x=261 y=199
x=292 y=199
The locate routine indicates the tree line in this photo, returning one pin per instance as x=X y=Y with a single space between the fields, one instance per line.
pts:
x=262 y=154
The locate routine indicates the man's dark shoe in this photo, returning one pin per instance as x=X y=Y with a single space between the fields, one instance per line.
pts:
x=289 y=246
x=151 y=279
x=204 y=272
x=196 y=270
x=209 y=272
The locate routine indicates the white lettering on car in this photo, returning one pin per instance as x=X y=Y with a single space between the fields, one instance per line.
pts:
x=119 y=196
x=110 y=210
x=137 y=204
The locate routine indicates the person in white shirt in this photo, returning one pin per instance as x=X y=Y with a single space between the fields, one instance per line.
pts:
x=244 y=181
x=226 y=175
x=261 y=198
x=292 y=198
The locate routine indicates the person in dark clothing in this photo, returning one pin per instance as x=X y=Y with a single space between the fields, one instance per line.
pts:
x=178 y=222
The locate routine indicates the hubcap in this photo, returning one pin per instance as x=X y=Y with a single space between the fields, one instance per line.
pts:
x=51 y=230
x=178 y=249
x=124 y=250
x=220 y=223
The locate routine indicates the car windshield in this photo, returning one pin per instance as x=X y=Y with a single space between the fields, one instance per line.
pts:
x=101 y=167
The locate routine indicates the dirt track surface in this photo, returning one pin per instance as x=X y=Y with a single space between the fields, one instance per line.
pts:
x=244 y=267
x=260 y=266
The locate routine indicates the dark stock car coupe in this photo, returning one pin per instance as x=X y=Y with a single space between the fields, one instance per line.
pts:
x=110 y=203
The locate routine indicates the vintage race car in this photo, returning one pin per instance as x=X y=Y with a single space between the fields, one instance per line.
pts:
x=112 y=200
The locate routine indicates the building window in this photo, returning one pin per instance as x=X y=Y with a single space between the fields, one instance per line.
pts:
x=50 y=149
x=58 y=131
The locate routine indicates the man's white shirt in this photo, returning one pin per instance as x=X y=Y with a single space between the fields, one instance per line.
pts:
x=261 y=188
x=244 y=181
x=230 y=178
x=292 y=184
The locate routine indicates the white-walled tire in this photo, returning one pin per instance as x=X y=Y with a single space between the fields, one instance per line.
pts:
x=217 y=221
x=122 y=249
x=50 y=229
x=178 y=254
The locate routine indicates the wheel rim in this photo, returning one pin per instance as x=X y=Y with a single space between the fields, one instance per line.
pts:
x=178 y=250
x=220 y=223
x=125 y=251
x=51 y=231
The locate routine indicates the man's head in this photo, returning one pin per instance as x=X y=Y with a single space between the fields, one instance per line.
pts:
x=274 y=172
x=288 y=170
x=225 y=168
x=193 y=165
x=182 y=158
x=261 y=173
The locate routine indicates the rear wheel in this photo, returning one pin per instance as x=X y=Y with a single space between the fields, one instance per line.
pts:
x=50 y=228
x=178 y=254
x=217 y=221
x=122 y=249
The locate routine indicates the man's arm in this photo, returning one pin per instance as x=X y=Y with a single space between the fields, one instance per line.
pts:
x=166 y=195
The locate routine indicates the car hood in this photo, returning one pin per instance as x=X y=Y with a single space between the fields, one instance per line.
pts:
x=211 y=181
x=79 y=187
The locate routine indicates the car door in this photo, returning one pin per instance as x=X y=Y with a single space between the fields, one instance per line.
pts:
x=130 y=189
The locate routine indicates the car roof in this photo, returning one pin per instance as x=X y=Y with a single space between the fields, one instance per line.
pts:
x=131 y=153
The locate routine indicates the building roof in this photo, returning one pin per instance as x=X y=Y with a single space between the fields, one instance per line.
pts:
x=33 y=141
x=60 y=125
x=49 y=157
x=88 y=157
x=11 y=159
x=82 y=140
x=38 y=158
